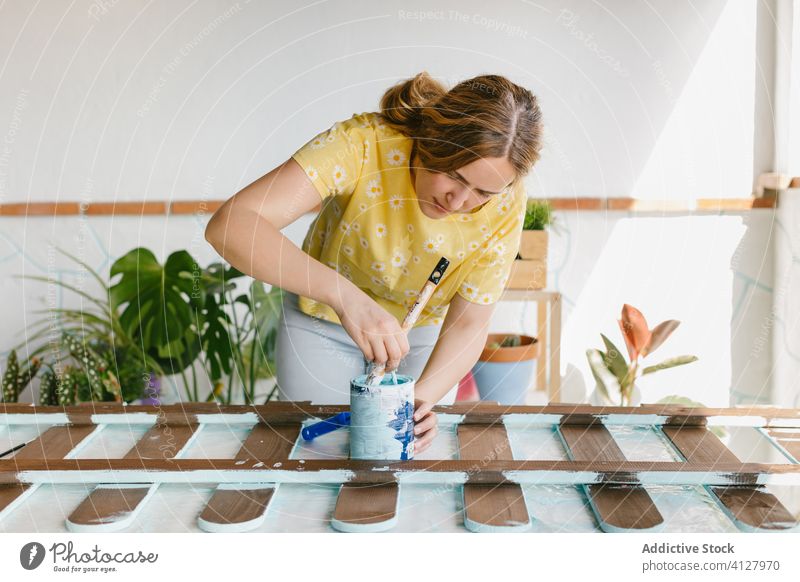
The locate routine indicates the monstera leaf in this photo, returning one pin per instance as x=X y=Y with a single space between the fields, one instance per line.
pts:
x=159 y=303
x=218 y=329
x=218 y=279
x=266 y=307
x=217 y=341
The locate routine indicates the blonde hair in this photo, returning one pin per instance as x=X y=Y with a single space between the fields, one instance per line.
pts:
x=486 y=116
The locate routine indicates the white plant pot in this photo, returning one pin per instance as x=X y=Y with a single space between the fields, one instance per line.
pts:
x=597 y=398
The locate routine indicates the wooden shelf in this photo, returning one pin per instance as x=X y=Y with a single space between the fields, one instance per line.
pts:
x=548 y=334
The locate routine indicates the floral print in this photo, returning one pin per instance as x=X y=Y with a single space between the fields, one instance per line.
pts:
x=395 y=157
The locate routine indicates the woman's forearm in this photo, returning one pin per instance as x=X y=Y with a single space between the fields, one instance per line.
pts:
x=252 y=244
x=459 y=345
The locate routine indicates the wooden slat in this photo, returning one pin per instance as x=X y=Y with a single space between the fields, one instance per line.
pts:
x=289 y=412
x=749 y=507
x=12 y=494
x=114 y=507
x=269 y=442
x=699 y=445
x=542 y=309
x=616 y=507
x=788 y=440
x=496 y=507
x=366 y=507
x=161 y=442
x=238 y=508
x=55 y=442
x=544 y=472
x=554 y=366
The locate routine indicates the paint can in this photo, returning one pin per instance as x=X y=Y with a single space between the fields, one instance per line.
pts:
x=382 y=418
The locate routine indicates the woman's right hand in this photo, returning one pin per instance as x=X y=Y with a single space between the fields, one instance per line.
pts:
x=374 y=330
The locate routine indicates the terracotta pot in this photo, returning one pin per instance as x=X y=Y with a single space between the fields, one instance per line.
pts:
x=505 y=375
x=528 y=350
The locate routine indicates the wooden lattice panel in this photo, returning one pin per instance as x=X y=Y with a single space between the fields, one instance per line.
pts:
x=483 y=471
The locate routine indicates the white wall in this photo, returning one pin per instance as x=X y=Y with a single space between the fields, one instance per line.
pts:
x=104 y=100
x=182 y=99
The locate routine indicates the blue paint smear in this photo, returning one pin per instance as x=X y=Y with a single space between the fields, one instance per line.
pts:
x=403 y=425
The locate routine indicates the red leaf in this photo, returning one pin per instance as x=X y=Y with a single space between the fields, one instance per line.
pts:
x=660 y=332
x=634 y=330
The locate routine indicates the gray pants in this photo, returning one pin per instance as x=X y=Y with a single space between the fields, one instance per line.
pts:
x=316 y=358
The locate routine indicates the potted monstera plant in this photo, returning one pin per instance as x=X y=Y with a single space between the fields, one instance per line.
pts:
x=182 y=313
x=614 y=375
x=154 y=322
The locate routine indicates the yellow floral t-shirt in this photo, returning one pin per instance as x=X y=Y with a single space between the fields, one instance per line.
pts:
x=371 y=230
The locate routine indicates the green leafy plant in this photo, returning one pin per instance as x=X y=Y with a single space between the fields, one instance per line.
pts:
x=538 y=215
x=616 y=375
x=160 y=319
x=241 y=346
x=200 y=316
x=86 y=352
x=158 y=305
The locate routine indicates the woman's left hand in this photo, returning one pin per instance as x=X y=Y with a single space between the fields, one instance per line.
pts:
x=425 y=425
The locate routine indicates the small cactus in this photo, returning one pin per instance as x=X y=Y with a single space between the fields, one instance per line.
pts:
x=96 y=370
x=67 y=387
x=48 y=389
x=14 y=381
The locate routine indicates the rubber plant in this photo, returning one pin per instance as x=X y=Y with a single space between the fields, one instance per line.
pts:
x=615 y=374
x=85 y=353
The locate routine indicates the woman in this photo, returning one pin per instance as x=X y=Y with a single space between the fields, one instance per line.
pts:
x=434 y=173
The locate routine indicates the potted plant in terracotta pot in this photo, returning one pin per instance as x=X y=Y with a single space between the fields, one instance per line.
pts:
x=615 y=377
x=505 y=368
x=529 y=270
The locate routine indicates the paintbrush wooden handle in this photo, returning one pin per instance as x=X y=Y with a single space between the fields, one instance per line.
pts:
x=424 y=295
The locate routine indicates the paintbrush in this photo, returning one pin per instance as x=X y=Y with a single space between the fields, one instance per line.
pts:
x=376 y=375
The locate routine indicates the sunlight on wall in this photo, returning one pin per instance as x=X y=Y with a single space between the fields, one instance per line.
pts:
x=676 y=268
x=706 y=147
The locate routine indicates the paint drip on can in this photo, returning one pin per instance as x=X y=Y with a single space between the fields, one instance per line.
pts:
x=382 y=418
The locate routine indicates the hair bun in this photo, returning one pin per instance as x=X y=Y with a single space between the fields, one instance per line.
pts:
x=402 y=104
